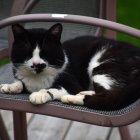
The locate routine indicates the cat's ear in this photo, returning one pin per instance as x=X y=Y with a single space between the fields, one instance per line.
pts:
x=56 y=31
x=18 y=30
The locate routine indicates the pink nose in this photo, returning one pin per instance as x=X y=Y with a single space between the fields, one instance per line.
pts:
x=36 y=62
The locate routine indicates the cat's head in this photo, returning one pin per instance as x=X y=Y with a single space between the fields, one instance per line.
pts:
x=37 y=49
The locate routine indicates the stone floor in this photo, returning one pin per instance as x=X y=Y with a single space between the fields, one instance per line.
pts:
x=42 y=127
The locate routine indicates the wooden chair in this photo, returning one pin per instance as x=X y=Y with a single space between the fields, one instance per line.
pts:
x=20 y=104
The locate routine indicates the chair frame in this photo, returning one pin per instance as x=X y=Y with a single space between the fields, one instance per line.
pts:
x=20 y=108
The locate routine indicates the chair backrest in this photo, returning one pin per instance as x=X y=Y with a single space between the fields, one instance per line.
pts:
x=92 y=8
x=78 y=7
x=91 y=21
x=7 y=9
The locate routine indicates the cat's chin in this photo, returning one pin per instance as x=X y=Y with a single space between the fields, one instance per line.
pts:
x=37 y=71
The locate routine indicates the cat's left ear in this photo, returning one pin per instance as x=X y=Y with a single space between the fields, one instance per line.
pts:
x=18 y=29
x=56 y=30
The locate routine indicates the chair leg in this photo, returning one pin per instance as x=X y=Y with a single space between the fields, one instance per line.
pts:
x=124 y=133
x=3 y=132
x=20 y=125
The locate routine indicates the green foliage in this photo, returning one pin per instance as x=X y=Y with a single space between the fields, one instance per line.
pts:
x=128 y=14
x=4 y=61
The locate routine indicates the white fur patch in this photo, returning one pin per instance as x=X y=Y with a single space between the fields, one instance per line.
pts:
x=73 y=99
x=39 y=97
x=77 y=99
x=35 y=82
x=15 y=87
x=86 y=93
x=35 y=58
x=104 y=80
x=94 y=62
x=42 y=96
x=58 y=93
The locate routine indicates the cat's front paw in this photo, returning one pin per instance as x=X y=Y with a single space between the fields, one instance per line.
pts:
x=11 y=88
x=73 y=99
x=40 y=97
x=90 y=93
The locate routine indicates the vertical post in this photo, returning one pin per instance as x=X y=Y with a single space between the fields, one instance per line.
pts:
x=20 y=125
x=111 y=15
x=3 y=132
x=17 y=8
x=124 y=133
x=29 y=6
x=102 y=14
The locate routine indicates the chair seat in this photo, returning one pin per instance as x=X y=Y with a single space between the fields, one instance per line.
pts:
x=20 y=102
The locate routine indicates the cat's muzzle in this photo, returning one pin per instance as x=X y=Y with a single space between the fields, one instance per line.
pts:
x=38 y=68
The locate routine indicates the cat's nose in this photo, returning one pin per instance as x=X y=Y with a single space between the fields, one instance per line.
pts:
x=38 y=66
x=36 y=63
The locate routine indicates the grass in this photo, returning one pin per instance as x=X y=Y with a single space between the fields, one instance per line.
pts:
x=128 y=14
x=4 y=61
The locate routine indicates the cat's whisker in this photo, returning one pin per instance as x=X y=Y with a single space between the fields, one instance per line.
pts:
x=22 y=65
x=60 y=60
x=65 y=72
x=54 y=66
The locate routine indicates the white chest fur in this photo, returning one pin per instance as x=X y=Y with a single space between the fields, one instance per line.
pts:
x=35 y=82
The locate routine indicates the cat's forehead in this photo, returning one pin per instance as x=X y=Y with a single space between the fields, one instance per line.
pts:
x=37 y=35
x=37 y=32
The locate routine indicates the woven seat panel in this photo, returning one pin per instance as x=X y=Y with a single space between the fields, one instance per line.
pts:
x=7 y=77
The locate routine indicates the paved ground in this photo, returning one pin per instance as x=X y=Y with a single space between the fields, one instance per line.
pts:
x=42 y=127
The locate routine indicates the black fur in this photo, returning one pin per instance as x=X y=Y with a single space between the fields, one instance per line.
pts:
x=124 y=64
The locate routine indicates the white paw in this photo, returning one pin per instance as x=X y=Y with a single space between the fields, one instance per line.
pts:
x=11 y=88
x=86 y=93
x=72 y=99
x=40 y=97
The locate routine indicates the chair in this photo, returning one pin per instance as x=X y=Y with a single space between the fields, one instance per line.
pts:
x=20 y=104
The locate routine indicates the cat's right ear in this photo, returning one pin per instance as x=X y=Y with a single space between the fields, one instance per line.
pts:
x=56 y=31
x=17 y=30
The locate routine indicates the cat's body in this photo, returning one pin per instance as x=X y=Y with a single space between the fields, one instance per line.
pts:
x=50 y=70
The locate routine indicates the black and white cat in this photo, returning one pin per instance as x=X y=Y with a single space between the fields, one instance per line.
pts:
x=51 y=70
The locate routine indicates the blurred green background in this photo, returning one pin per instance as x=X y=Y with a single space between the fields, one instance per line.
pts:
x=128 y=13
